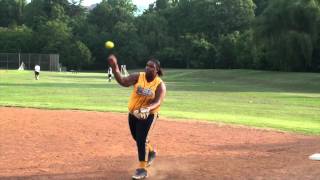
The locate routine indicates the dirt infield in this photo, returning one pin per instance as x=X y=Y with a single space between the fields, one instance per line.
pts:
x=59 y=144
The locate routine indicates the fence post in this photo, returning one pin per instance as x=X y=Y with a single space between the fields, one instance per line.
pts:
x=29 y=62
x=7 y=61
x=19 y=59
x=39 y=59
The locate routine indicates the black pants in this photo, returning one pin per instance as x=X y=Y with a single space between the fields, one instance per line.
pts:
x=140 y=130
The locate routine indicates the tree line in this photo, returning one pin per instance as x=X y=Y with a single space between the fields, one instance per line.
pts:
x=252 y=34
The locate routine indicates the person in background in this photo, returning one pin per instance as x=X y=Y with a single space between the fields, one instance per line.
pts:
x=109 y=74
x=36 y=71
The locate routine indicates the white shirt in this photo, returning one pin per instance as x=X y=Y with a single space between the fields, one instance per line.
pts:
x=110 y=70
x=37 y=68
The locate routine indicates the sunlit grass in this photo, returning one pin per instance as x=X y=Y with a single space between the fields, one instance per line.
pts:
x=283 y=101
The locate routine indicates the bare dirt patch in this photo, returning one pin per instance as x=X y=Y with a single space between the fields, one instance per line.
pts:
x=65 y=144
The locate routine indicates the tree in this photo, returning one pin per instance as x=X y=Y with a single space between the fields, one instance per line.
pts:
x=78 y=55
x=153 y=30
x=260 y=6
x=11 y=12
x=55 y=37
x=212 y=17
x=227 y=50
x=207 y=21
x=112 y=19
x=161 y=4
x=35 y=14
x=17 y=39
x=289 y=30
x=106 y=14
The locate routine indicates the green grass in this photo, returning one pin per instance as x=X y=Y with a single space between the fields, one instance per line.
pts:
x=278 y=100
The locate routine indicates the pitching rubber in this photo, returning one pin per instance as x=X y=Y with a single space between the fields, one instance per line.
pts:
x=315 y=157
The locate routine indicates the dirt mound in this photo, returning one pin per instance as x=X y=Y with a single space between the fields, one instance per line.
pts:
x=64 y=144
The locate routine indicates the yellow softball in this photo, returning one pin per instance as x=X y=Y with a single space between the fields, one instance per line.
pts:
x=109 y=45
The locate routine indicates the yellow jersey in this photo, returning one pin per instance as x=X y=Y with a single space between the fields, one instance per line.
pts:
x=143 y=93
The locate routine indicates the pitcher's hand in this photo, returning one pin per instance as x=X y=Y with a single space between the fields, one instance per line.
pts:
x=142 y=113
x=112 y=60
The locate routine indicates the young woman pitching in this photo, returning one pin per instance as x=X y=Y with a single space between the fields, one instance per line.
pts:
x=144 y=104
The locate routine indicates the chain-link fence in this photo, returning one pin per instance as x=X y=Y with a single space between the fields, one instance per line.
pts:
x=47 y=62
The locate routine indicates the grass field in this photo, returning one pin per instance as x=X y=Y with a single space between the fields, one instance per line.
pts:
x=278 y=100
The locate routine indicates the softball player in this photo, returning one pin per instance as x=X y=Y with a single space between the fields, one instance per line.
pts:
x=144 y=104
x=36 y=71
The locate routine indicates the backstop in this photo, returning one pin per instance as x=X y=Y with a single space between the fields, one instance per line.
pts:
x=47 y=62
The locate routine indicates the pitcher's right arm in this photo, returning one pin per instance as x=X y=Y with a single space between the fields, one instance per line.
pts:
x=123 y=81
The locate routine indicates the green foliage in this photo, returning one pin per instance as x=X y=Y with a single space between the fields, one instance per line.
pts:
x=161 y=4
x=53 y=36
x=238 y=50
x=58 y=13
x=154 y=36
x=78 y=55
x=246 y=50
x=35 y=13
x=11 y=12
x=125 y=36
x=260 y=6
x=17 y=39
x=112 y=19
x=56 y=37
x=106 y=14
x=181 y=33
x=196 y=48
x=227 y=53
x=215 y=17
x=289 y=30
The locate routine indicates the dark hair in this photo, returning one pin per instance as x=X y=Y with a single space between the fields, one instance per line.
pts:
x=157 y=62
